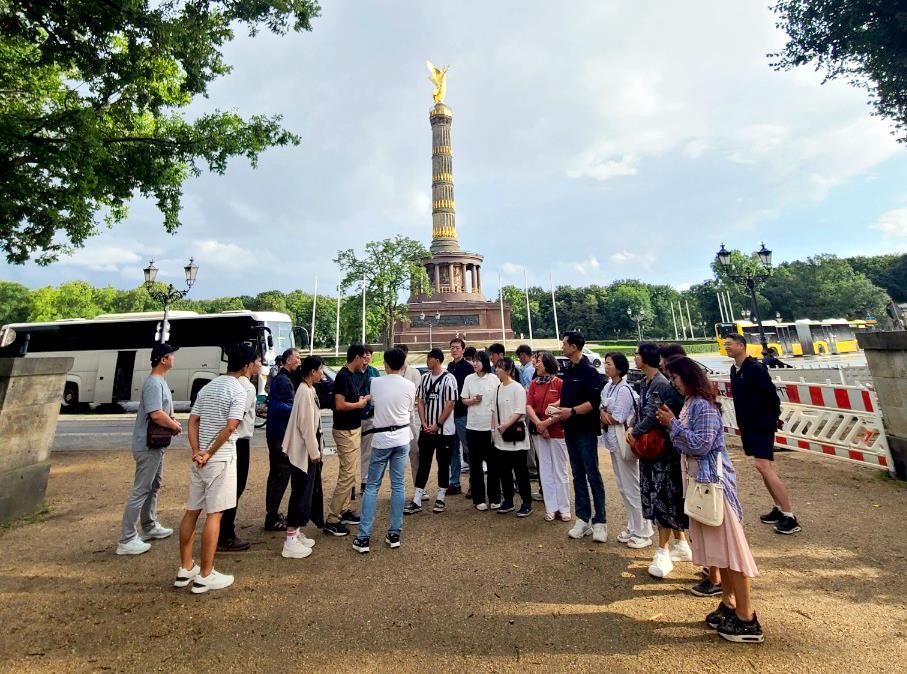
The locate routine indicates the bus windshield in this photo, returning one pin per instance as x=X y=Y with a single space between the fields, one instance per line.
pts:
x=282 y=334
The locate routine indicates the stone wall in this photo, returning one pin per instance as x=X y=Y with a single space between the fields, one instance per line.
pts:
x=31 y=390
x=886 y=354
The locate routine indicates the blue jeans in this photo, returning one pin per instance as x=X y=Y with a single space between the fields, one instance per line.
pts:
x=456 y=466
x=396 y=458
x=582 y=448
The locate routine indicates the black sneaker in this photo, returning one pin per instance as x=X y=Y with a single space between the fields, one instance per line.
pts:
x=706 y=588
x=454 y=490
x=279 y=524
x=360 y=544
x=412 y=507
x=393 y=540
x=440 y=507
x=772 y=517
x=349 y=517
x=335 y=529
x=734 y=629
x=506 y=507
x=524 y=511
x=717 y=617
x=788 y=525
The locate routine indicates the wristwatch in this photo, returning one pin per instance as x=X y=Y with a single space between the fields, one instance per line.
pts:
x=572 y=411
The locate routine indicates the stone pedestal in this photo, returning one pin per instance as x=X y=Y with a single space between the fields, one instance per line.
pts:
x=886 y=354
x=476 y=322
x=31 y=390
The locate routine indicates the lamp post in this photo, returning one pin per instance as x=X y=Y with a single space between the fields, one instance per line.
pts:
x=437 y=318
x=777 y=316
x=746 y=313
x=638 y=316
x=750 y=279
x=171 y=294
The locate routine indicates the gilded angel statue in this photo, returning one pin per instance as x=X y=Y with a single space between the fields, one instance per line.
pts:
x=437 y=78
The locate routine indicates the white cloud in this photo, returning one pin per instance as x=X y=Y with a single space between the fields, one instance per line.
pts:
x=892 y=224
x=695 y=148
x=512 y=269
x=105 y=259
x=602 y=164
x=639 y=260
x=683 y=287
x=586 y=267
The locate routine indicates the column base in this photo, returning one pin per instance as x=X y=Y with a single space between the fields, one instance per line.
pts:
x=22 y=490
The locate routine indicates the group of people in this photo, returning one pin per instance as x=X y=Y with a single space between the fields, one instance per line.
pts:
x=494 y=419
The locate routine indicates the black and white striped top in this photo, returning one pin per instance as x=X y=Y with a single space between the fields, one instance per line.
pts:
x=436 y=392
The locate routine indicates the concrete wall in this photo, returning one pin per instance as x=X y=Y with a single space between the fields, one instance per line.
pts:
x=886 y=354
x=31 y=390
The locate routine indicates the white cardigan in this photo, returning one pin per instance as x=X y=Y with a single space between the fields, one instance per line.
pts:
x=300 y=442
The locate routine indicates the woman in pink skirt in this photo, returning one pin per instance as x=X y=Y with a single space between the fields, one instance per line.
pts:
x=699 y=436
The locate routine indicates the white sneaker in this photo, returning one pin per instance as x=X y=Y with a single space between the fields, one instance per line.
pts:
x=186 y=576
x=580 y=529
x=624 y=536
x=661 y=564
x=293 y=548
x=481 y=506
x=495 y=506
x=680 y=551
x=213 y=581
x=639 y=542
x=308 y=542
x=600 y=532
x=134 y=547
x=156 y=532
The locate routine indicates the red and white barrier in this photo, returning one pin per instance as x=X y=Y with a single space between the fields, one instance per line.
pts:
x=842 y=422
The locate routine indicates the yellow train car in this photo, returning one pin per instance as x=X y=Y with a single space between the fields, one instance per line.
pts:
x=832 y=336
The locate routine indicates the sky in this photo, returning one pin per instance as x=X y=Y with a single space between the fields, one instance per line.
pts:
x=592 y=141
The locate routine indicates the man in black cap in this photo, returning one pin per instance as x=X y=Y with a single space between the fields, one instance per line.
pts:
x=155 y=403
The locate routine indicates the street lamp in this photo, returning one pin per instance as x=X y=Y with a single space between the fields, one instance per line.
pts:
x=746 y=313
x=437 y=318
x=777 y=316
x=171 y=294
x=638 y=316
x=750 y=279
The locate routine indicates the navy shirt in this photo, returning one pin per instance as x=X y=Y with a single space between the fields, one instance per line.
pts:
x=582 y=383
x=280 y=404
x=460 y=370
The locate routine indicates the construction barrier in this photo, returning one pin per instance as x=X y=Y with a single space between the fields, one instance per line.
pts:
x=842 y=422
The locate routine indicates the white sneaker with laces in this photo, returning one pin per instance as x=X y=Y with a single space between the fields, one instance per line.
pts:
x=600 y=532
x=293 y=548
x=213 y=581
x=580 y=528
x=481 y=506
x=624 y=536
x=308 y=542
x=156 y=532
x=661 y=564
x=680 y=551
x=495 y=506
x=639 y=542
x=134 y=547
x=186 y=576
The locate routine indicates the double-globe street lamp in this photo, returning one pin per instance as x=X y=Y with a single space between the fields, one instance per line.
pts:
x=169 y=295
x=437 y=318
x=750 y=279
x=638 y=316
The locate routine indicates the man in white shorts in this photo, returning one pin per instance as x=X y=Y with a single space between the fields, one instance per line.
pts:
x=213 y=422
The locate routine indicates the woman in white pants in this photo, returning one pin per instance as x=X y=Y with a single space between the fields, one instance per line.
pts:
x=545 y=391
x=618 y=404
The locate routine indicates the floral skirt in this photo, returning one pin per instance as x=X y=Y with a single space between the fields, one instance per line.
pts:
x=661 y=491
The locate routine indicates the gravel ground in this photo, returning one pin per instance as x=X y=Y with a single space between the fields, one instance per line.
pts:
x=468 y=591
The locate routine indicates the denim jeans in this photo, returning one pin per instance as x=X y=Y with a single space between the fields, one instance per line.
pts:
x=459 y=445
x=582 y=448
x=396 y=458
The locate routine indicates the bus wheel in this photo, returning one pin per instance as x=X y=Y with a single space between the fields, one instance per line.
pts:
x=197 y=386
x=70 y=396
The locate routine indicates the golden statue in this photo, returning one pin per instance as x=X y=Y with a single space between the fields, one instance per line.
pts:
x=438 y=78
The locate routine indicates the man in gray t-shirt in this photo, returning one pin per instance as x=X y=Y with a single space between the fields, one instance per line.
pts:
x=156 y=403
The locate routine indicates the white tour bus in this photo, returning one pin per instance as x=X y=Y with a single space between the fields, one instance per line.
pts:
x=112 y=352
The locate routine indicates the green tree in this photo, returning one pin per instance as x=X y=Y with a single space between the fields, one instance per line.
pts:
x=15 y=302
x=91 y=111
x=272 y=300
x=864 y=41
x=889 y=272
x=389 y=267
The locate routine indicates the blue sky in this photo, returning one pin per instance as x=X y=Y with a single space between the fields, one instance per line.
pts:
x=591 y=140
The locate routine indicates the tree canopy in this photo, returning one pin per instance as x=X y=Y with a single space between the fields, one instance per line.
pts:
x=91 y=94
x=864 y=41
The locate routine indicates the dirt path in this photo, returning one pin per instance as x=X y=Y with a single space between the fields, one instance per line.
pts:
x=468 y=591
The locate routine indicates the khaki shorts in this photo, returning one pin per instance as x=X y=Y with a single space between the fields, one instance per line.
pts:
x=212 y=487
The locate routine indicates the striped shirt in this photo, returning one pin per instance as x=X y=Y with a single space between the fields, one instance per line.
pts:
x=436 y=392
x=219 y=401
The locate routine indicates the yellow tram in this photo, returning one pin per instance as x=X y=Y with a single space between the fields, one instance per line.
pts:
x=803 y=337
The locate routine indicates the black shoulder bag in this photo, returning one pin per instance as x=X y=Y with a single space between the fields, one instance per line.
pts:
x=515 y=432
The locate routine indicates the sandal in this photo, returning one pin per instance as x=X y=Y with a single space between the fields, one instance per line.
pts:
x=566 y=517
x=549 y=517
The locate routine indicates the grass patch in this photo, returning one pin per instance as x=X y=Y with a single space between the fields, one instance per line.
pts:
x=34 y=518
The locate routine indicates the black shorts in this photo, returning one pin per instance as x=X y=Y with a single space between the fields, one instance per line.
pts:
x=759 y=445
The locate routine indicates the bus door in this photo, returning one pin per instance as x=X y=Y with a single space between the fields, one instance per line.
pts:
x=106 y=373
x=122 y=378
